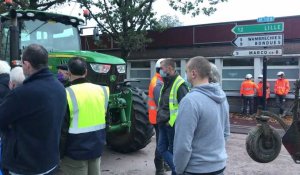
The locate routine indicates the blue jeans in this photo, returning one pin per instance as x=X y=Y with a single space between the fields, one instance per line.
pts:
x=280 y=100
x=158 y=160
x=0 y=157
x=248 y=102
x=165 y=144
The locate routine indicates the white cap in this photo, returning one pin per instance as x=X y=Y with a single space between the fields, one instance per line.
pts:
x=248 y=76
x=280 y=73
x=260 y=76
x=157 y=65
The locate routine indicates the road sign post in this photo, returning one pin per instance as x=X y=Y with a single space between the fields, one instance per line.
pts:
x=258 y=28
x=257 y=52
x=258 y=40
x=263 y=41
x=264 y=82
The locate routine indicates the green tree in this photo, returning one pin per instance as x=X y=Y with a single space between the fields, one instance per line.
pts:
x=167 y=21
x=193 y=7
x=33 y=4
x=126 y=21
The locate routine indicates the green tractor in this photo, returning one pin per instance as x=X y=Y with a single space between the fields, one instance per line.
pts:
x=128 y=128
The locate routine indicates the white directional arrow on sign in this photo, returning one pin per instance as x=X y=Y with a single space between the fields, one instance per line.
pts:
x=258 y=52
x=259 y=41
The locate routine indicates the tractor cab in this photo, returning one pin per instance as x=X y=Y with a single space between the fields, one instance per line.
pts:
x=59 y=34
x=127 y=125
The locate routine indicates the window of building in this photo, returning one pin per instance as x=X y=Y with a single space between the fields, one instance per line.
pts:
x=289 y=65
x=178 y=67
x=140 y=70
x=238 y=62
x=234 y=72
x=140 y=64
x=284 y=61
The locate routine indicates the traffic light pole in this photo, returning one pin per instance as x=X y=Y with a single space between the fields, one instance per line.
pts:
x=264 y=82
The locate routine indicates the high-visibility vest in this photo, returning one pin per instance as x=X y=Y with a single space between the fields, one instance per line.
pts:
x=282 y=86
x=260 y=89
x=152 y=107
x=87 y=104
x=247 y=88
x=173 y=102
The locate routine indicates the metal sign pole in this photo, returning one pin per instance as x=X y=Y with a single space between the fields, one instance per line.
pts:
x=264 y=82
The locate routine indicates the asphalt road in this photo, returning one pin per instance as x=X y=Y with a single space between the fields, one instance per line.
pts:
x=239 y=163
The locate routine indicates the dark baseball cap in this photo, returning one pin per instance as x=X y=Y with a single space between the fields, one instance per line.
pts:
x=62 y=67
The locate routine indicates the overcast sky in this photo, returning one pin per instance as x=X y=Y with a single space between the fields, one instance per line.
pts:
x=232 y=10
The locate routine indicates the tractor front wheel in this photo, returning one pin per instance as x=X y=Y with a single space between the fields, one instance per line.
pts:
x=260 y=148
x=140 y=132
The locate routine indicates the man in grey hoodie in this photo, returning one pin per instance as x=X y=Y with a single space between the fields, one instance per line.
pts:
x=202 y=125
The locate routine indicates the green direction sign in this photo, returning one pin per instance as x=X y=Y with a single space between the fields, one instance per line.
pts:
x=258 y=28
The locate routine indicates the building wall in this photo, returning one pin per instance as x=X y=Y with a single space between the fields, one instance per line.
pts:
x=213 y=41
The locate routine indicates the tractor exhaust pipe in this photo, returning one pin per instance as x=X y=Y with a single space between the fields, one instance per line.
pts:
x=14 y=38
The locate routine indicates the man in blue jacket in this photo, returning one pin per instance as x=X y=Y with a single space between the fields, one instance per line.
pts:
x=4 y=89
x=202 y=126
x=31 y=116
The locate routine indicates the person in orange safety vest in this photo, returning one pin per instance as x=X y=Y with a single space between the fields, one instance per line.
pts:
x=153 y=97
x=260 y=91
x=282 y=88
x=247 y=91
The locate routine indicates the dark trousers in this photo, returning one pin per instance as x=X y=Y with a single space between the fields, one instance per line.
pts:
x=259 y=102
x=158 y=160
x=219 y=172
x=186 y=173
x=280 y=99
x=248 y=102
x=53 y=172
x=165 y=144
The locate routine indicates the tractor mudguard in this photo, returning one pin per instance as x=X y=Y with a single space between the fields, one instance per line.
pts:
x=291 y=141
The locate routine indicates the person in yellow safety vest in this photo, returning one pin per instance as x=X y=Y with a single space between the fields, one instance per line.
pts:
x=282 y=88
x=247 y=91
x=155 y=86
x=173 y=90
x=84 y=123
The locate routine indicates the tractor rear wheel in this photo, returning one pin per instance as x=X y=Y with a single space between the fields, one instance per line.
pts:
x=259 y=148
x=141 y=130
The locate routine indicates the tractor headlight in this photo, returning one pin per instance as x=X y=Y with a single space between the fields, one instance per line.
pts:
x=30 y=14
x=73 y=20
x=100 y=68
x=121 y=68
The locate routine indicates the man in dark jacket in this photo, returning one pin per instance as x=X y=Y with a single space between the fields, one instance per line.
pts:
x=31 y=117
x=4 y=79
x=4 y=88
x=84 y=126
x=173 y=90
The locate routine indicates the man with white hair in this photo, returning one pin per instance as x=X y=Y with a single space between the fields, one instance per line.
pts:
x=4 y=79
x=214 y=76
x=16 y=77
